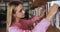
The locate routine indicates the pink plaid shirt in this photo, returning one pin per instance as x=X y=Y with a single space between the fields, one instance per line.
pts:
x=23 y=26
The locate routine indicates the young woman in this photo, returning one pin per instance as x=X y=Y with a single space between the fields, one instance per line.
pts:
x=15 y=23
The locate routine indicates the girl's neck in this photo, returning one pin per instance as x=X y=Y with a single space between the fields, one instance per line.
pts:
x=17 y=19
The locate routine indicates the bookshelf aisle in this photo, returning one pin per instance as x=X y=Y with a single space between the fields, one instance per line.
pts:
x=36 y=11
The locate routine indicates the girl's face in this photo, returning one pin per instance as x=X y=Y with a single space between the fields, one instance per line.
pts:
x=20 y=13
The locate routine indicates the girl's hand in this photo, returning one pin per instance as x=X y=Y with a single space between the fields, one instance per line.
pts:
x=42 y=13
x=52 y=11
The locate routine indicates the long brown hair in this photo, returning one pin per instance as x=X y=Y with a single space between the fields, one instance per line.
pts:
x=11 y=8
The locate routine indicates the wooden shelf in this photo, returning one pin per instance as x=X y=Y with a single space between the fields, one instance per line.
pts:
x=37 y=3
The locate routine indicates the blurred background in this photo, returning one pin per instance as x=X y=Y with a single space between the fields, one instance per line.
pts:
x=30 y=7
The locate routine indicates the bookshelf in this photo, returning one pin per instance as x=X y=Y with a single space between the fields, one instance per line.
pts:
x=56 y=19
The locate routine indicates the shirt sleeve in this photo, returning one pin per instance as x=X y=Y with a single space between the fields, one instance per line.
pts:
x=42 y=26
x=31 y=21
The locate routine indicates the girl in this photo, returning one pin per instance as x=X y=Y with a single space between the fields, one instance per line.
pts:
x=15 y=23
